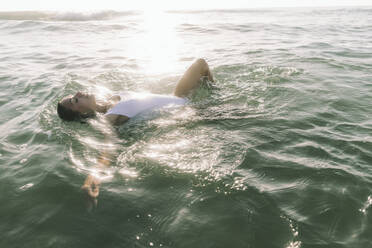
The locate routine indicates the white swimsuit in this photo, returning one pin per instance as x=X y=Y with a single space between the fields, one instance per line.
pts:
x=132 y=104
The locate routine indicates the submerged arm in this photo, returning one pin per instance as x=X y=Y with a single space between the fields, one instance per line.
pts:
x=92 y=182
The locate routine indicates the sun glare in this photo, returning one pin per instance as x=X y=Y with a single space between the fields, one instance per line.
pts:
x=73 y=5
x=157 y=46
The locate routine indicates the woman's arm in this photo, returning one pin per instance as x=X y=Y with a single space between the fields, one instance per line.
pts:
x=92 y=183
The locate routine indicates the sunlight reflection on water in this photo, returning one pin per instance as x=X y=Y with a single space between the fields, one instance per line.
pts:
x=157 y=46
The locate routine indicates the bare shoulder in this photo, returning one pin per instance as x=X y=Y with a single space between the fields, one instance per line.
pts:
x=117 y=120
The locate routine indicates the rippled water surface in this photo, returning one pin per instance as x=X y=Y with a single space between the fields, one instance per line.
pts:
x=277 y=153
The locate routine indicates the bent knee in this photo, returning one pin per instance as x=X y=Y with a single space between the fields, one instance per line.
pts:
x=202 y=65
x=201 y=62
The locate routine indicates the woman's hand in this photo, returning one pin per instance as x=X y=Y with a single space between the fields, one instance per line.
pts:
x=91 y=187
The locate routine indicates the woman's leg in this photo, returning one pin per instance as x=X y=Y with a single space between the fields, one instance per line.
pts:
x=191 y=79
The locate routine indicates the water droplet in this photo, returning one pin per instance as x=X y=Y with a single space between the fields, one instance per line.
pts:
x=23 y=160
x=23 y=146
x=137 y=237
x=151 y=244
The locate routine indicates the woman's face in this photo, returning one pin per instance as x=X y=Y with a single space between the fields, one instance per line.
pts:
x=80 y=102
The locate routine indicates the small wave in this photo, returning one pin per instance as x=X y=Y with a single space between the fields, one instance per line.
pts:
x=56 y=28
x=196 y=28
x=237 y=27
x=348 y=53
x=63 y=16
x=207 y=11
x=24 y=15
x=21 y=26
x=96 y=16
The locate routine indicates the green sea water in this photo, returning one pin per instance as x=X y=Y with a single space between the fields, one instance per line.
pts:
x=277 y=153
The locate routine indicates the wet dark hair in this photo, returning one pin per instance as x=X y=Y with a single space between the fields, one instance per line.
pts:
x=67 y=114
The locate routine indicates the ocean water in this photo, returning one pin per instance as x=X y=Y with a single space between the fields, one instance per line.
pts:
x=277 y=153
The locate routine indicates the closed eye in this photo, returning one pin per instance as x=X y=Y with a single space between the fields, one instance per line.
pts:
x=76 y=100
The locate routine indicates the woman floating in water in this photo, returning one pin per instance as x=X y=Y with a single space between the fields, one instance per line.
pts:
x=118 y=111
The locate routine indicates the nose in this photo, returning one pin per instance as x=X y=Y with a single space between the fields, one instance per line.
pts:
x=78 y=94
